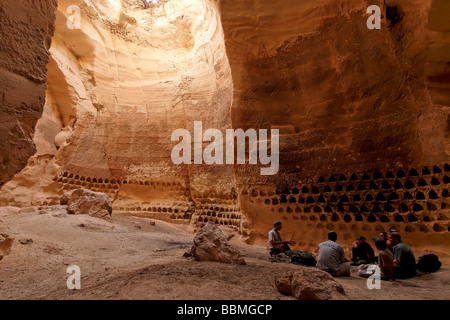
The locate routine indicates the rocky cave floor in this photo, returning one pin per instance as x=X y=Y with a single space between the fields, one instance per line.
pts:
x=129 y=258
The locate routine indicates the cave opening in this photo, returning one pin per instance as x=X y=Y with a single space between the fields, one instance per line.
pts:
x=394 y=15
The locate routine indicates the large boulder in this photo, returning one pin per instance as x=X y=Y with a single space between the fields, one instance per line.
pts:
x=309 y=284
x=210 y=244
x=66 y=197
x=6 y=239
x=95 y=204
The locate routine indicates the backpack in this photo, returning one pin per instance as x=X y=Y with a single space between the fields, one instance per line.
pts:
x=428 y=262
x=301 y=257
x=285 y=247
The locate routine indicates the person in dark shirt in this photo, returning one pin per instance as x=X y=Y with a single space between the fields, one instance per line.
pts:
x=362 y=252
x=404 y=259
x=385 y=236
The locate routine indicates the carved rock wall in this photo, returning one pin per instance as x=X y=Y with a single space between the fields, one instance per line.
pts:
x=338 y=91
x=363 y=115
x=347 y=100
x=117 y=89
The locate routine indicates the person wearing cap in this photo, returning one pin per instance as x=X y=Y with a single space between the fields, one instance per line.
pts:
x=362 y=252
x=276 y=243
x=331 y=257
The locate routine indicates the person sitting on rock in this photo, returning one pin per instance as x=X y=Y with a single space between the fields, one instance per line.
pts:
x=331 y=257
x=362 y=252
x=404 y=259
x=276 y=243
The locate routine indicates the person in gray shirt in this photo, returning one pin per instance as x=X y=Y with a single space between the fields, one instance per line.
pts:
x=331 y=257
x=404 y=259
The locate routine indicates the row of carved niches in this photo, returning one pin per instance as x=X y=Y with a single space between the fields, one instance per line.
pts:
x=226 y=215
x=221 y=214
x=158 y=188
x=170 y=210
x=111 y=185
x=181 y=208
x=428 y=221
x=230 y=219
x=315 y=222
x=417 y=200
x=220 y=208
x=87 y=182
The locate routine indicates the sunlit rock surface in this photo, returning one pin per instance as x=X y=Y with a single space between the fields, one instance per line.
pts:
x=362 y=114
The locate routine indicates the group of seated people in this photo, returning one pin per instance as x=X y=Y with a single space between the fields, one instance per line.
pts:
x=395 y=259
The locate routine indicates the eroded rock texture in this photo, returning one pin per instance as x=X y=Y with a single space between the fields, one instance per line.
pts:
x=309 y=284
x=339 y=91
x=210 y=244
x=26 y=30
x=363 y=114
x=353 y=106
x=94 y=204
x=437 y=68
x=117 y=89
x=6 y=239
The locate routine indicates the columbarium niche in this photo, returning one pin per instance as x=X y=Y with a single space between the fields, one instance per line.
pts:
x=409 y=210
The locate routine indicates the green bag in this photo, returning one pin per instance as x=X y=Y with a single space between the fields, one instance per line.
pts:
x=301 y=257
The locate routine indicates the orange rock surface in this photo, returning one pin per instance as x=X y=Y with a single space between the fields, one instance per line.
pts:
x=363 y=115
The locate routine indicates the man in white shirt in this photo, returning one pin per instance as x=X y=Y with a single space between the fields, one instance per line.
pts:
x=276 y=243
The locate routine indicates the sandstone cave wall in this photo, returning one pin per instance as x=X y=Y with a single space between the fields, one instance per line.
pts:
x=437 y=69
x=355 y=109
x=339 y=92
x=117 y=89
x=26 y=30
x=350 y=103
